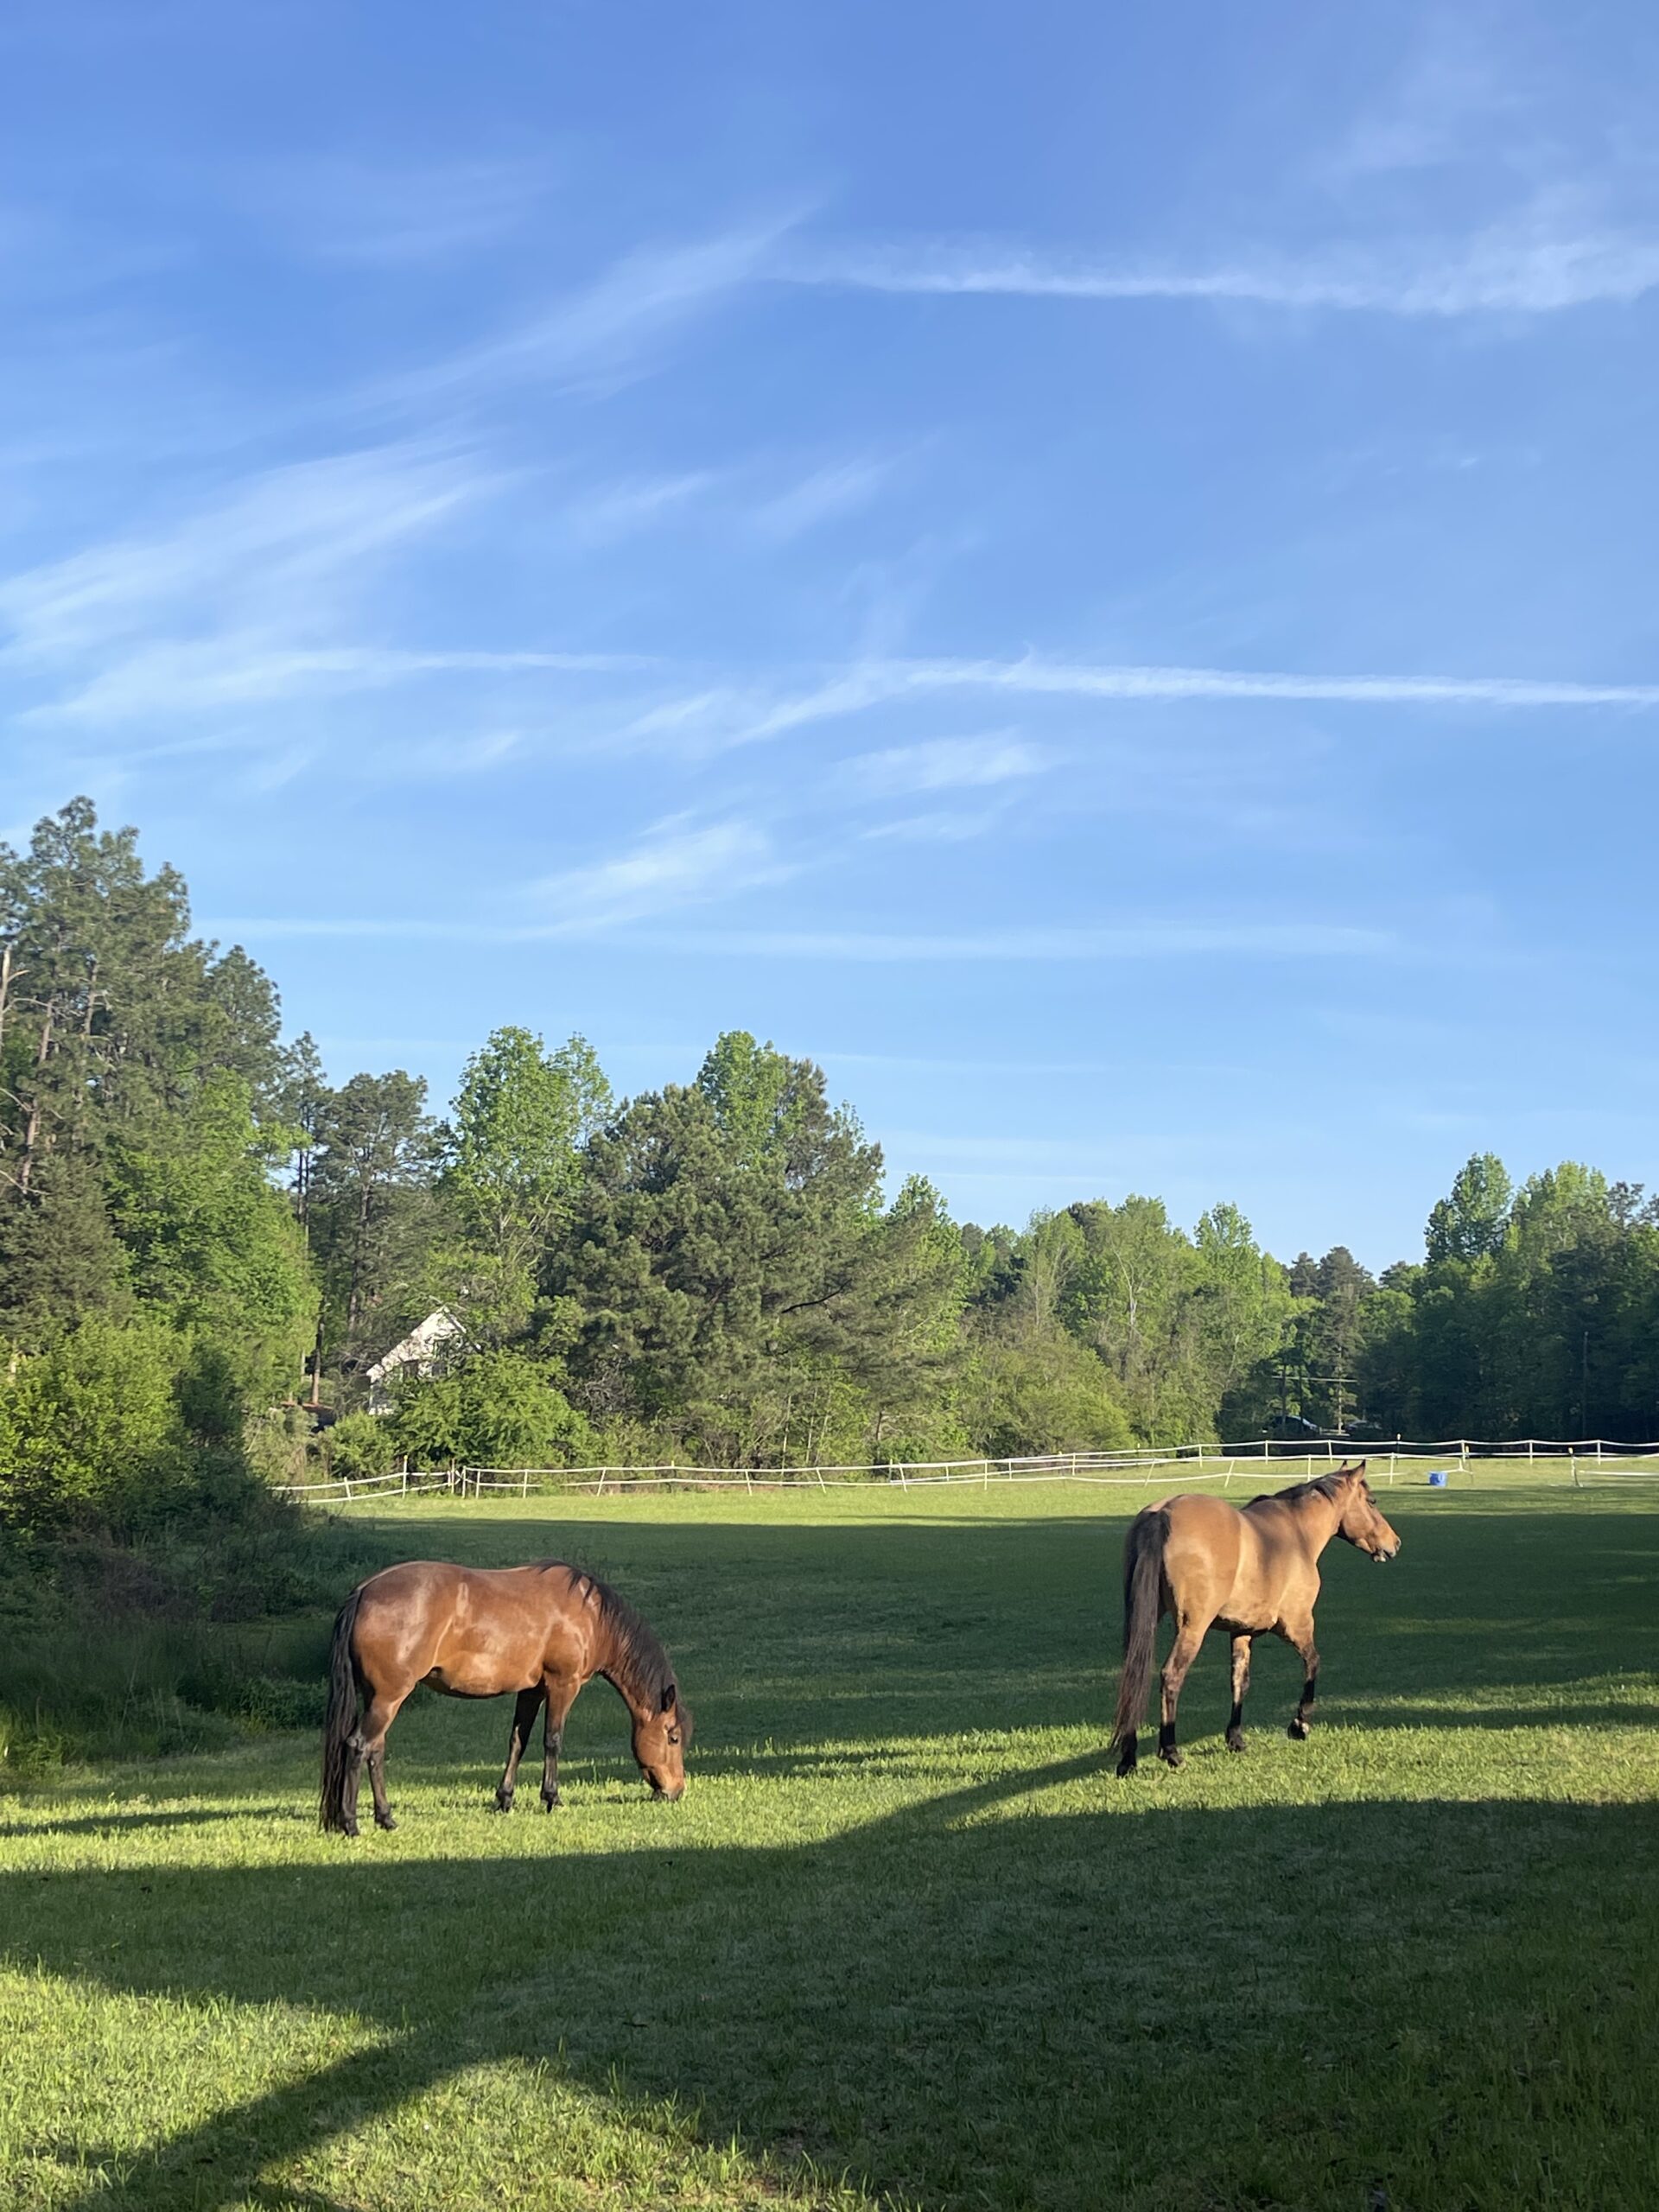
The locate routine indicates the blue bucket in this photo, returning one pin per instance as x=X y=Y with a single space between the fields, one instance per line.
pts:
x=1438 y=1478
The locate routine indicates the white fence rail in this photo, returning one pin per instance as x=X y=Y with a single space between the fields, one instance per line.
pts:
x=1115 y=1469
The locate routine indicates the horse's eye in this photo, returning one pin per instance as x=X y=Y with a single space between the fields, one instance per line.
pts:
x=673 y=1735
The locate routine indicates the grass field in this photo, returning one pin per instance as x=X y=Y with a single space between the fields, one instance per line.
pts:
x=906 y=1940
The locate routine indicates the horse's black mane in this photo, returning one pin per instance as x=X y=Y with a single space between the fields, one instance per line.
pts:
x=638 y=1662
x=1325 y=1485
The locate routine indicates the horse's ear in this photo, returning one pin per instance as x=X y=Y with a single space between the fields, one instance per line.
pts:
x=670 y=1691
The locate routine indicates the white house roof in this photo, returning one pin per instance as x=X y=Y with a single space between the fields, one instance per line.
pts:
x=419 y=1345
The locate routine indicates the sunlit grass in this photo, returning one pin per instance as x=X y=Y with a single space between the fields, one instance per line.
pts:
x=905 y=1939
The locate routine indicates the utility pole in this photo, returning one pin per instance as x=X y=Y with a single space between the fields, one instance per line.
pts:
x=1583 y=1385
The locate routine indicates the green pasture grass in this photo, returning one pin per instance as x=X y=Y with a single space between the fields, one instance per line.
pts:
x=906 y=1940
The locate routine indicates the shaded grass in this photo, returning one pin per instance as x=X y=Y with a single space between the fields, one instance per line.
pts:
x=904 y=1939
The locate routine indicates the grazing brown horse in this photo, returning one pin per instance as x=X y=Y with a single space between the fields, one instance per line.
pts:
x=1248 y=1573
x=542 y=1631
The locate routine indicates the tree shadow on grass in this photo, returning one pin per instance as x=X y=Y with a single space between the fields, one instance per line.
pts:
x=999 y=1996
x=170 y=1816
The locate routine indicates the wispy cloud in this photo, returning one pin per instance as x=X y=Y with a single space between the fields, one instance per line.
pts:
x=940 y=828
x=609 y=331
x=396 y=215
x=1440 y=110
x=744 y=500
x=821 y=497
x=247 y=669
x=264 y=538
x=718 y=717
x=678 y=863
x=609 y=511
x=1120 y=680
x=243 y=600
x=940 y=764
x=1130 y=941
x=673 y=868
x=1529 y=265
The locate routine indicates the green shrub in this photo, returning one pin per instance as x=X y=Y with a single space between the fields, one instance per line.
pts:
x=94 y=1429
x=1053 y=1396
x=512 y=1416
x=360 y=1444
x=499 y=1409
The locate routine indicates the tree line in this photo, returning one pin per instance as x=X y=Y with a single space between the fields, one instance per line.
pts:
x=201 y=1235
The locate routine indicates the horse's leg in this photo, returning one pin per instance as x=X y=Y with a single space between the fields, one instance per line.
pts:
x=1241 y=1684
x=524 y=1720
x=560 y=1696
x=382 y=1712
x=354 y=1752
x=1188 y=1637
x=1300 y=1635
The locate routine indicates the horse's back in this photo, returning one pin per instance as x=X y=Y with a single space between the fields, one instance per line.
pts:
x=473 y=1630
x=415 y=1584
x=1238 y=1567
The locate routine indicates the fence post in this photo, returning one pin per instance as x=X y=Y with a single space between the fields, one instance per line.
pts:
x=524 y=1486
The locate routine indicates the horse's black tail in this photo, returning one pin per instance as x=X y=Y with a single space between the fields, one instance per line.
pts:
x=341 y=1724
x=1143 y=1579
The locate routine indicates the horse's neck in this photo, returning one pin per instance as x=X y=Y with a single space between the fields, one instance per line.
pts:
x=1318 y=1521
x=608 y=1664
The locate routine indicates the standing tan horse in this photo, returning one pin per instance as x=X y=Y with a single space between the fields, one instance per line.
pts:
x=542 y=1631
x=1248 y=1573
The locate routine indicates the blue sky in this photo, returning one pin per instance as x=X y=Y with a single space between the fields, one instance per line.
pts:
x=1091 y=569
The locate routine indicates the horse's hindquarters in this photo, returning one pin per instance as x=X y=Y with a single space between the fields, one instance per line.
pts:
x=1204 y=1557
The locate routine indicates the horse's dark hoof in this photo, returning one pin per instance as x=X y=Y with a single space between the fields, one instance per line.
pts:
x=503 y=1804
x=553 y=1804
x=1171 y=1758
x=1126 y=1766
x=1235 y=1740
x=1297 y=1732
x=349 y=1827
x=385 y=1821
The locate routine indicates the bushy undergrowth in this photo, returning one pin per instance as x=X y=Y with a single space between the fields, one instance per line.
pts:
x=181 y=1640
x=156 y=1595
